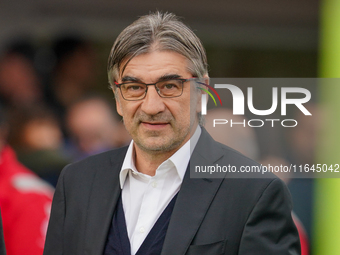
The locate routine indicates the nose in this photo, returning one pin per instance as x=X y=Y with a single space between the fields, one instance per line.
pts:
x=152 y=103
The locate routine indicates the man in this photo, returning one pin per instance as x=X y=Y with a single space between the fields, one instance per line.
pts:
x=25 y=202
x=141 y=199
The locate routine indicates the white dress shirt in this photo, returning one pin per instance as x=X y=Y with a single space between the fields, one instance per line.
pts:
x=145 y=197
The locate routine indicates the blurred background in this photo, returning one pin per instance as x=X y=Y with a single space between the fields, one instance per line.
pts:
x=54 y=88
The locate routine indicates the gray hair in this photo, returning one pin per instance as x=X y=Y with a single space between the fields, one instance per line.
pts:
x=156 y=31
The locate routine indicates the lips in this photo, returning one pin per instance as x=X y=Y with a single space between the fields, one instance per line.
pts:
x=154 y=125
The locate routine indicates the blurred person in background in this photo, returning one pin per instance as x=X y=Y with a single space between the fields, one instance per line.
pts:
x=36 y=135
x=94 y=126
x=20 y=84
x=74 y=72
x=25 y=202
x=301 y=146
x=302 y=140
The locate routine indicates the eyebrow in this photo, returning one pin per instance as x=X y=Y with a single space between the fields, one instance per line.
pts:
x=164 y=77
x=169 y=77
x=130 y=78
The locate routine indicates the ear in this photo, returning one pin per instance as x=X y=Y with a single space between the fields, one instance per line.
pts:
x=201 y=92
x=118 y=107
x=206 y=79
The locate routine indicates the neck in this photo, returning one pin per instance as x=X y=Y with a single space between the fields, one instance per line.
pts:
x=148 y=163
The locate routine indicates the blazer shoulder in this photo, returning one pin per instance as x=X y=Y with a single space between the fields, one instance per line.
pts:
x=109 y=160
x=108 y=155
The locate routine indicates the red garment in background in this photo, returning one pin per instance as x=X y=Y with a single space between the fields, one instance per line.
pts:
x=302 y=234
x=25 y=202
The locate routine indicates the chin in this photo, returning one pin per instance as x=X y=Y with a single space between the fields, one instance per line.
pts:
x=158 y=147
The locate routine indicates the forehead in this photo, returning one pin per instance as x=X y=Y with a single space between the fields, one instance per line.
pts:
x=153 y=65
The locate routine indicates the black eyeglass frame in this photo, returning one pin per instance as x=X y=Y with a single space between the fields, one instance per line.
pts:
x=153 y=84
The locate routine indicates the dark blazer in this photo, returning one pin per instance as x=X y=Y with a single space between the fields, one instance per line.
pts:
x=211 y=216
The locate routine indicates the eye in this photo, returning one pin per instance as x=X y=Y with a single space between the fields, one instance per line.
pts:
x=170 y=85
x=134 y=87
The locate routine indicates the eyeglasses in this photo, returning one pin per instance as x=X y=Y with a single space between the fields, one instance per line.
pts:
x=134 y=91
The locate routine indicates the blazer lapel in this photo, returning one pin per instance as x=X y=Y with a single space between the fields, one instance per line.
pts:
x=105 y=192
x=194 y=199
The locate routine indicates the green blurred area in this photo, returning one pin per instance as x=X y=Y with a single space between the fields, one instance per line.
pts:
x=327 y=202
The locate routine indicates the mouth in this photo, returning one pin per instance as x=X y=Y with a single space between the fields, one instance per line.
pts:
x=154 y=125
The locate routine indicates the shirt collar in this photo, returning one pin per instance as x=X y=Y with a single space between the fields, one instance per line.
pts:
x=180 y=158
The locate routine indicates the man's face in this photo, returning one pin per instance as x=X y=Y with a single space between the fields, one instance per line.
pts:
x=159 y=124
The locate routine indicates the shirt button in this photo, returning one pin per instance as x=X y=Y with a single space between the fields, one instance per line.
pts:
x=142 y=230
x=154 y=184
